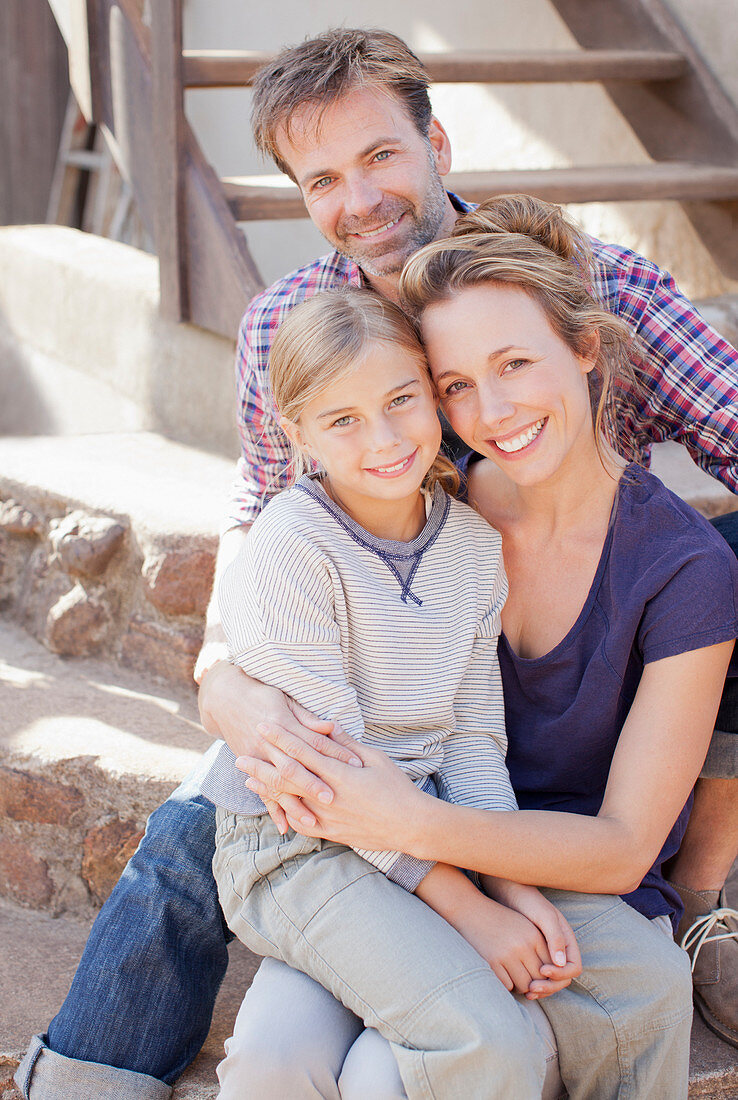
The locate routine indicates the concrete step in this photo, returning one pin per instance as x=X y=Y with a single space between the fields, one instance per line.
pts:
x=40 y=955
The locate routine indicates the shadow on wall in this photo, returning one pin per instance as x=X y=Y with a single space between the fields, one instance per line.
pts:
x=24 y=407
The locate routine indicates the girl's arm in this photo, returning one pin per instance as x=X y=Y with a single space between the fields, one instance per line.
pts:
x=658 y=758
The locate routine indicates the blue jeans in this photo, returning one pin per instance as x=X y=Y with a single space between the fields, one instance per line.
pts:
x=142 y=998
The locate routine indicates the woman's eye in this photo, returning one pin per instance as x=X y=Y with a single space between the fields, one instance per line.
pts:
x=455 y=387
x=514 y=364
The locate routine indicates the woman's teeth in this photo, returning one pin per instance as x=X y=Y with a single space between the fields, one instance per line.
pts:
x=509 y=446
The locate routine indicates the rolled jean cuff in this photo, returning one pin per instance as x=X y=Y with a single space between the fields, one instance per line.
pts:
x=45 y=1074
x=722 y=756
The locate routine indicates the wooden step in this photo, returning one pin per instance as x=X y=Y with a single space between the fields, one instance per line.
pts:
x=252 y=198
x=225 y=68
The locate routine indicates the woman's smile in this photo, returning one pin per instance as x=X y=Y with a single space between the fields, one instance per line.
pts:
x=521 y=440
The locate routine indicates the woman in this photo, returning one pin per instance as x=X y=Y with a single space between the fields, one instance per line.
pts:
x=616 y=638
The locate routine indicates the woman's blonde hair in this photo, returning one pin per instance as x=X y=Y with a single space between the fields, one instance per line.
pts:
x=524 y=242
x=326 y=338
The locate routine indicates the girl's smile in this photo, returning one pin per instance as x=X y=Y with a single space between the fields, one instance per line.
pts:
x=375 y=433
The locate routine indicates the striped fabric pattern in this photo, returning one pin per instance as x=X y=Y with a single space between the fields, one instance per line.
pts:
x=316 y=611
x=690 y=373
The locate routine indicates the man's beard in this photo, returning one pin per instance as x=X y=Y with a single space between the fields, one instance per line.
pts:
x=422 y=224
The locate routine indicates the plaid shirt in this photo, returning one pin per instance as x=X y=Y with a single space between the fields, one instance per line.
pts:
x=690 y=373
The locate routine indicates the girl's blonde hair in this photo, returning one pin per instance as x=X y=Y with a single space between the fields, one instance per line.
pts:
x=524 y=242
x=326 y=338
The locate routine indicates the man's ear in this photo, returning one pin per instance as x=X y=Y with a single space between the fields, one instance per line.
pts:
x=440 y=145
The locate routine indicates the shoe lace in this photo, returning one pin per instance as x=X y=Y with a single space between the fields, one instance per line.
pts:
x=707 y=929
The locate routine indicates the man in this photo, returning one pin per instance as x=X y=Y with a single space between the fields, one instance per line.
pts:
x=347 y=116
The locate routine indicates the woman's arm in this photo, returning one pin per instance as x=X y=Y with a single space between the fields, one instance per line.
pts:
x=659 y=754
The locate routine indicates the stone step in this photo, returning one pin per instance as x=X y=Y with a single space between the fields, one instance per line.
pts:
x=107 y=544
x=88 y=751
x=40 y=955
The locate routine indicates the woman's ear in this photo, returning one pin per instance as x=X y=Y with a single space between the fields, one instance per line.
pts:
x=590 y=351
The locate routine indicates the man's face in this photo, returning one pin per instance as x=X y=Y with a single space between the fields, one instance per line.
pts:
x=371 y=182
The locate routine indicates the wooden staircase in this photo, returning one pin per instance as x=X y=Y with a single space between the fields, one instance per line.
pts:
x=635 y=49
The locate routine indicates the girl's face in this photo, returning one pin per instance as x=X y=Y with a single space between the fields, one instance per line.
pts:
x=376 y=431
x=510 y=387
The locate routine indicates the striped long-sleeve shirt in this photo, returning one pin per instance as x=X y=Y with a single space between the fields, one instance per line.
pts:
x=396 y=641
x=689 y=373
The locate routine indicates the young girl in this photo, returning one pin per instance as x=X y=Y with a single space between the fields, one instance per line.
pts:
x=373 y=598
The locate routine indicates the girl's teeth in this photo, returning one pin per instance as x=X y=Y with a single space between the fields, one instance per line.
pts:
x=509 y=446
x=391 y=469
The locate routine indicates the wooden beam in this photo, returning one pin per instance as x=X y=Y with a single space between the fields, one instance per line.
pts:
x=691 y=118
x=168 y=162
x=262 y=197
x=222 y=68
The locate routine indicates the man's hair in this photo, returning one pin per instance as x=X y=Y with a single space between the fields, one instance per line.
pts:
x=321 y=70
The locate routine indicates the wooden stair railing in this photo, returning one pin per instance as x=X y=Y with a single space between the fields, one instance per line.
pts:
x=634 y=48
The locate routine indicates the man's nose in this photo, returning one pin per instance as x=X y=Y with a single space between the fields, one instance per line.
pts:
x=362 y=196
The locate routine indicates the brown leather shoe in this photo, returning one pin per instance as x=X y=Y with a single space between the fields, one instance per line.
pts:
x=708 y=932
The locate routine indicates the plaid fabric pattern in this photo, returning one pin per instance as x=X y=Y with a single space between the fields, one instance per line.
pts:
x=690 y=373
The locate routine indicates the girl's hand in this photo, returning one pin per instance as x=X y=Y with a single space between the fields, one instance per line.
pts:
x=238 y=708
x=374 y=807
x=564 y=960
x=514 y=948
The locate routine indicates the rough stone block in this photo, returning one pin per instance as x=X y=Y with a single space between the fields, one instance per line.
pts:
x=161 y=650
x=106 y=850
x=17 y=520
x=23 y=876
x=78 y=623
x=178 y=582
x=25 y=797
x=84 y=544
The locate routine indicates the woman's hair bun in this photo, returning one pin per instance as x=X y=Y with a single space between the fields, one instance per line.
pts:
x=544 y=222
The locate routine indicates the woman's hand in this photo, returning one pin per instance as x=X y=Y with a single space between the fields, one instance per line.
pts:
x=238 y=708
x=374 y=807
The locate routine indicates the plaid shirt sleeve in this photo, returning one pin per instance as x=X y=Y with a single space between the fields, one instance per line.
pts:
x=689 y=372
x=262 y=469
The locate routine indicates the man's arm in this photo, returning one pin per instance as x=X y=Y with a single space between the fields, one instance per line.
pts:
x=689 y=372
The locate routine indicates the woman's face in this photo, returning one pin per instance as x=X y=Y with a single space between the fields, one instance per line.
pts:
x=509 y=386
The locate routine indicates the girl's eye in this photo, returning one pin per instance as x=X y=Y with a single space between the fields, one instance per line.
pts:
x=342 y=422
x=399 y=400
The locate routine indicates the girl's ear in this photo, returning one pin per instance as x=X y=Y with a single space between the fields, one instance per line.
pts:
x=292 y=430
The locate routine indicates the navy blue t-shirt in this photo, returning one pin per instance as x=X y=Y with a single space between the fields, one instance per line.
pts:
x=666 y=583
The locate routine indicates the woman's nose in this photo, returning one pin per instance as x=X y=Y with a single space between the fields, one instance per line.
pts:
x=495 y=405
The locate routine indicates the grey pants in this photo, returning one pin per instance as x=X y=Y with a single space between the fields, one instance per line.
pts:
x=451 y=1027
